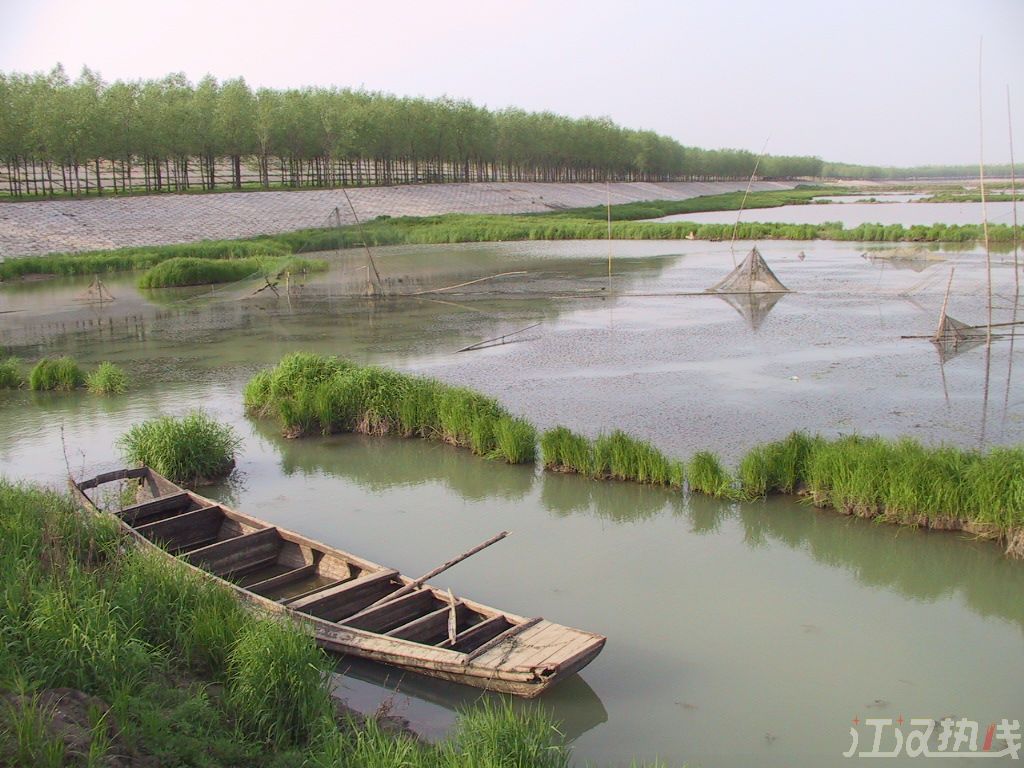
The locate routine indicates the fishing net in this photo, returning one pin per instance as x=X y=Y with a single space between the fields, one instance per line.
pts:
x=954 y=337
x=96 y=292
x=752 y=307
x=752 y=276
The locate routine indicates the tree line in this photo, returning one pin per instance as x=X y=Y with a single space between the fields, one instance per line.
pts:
x=886 y=173
x=86 y=136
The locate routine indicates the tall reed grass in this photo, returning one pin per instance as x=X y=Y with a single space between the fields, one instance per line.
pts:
x=10 y=374
x=186 y=270
x=192 y=450
x=897 y=481
x=62 y=374
x=312 y=393
x=616 y=456
x=107 y=379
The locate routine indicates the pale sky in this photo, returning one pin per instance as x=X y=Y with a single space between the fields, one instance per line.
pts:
x=886 y=82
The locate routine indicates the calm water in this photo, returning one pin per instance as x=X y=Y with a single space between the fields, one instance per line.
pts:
x=852 y=214
x=738 y=634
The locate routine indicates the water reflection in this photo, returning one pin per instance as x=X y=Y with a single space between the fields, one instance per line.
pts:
x=752 y=307
x=431 y=705
x=379 y=464
x=918 y=564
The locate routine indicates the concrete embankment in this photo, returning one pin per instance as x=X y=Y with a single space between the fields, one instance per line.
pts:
x=38 y=227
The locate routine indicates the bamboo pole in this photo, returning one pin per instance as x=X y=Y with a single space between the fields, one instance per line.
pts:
x=981 y=176
x=362 y=234
x=416 y=584
x=499 y=339
x=743 y=202
x=1013 y=196
x=945 y=303
x=608 y=190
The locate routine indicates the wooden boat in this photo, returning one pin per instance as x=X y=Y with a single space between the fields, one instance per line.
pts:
x=354 y=606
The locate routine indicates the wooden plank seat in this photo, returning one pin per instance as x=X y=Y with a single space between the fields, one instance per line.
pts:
x=238 y=555
x=189 y=530
x=282 y=580
x=334 y=603
x=432 y=628
x=471 y=638
x=159 y=507
x=395 y=613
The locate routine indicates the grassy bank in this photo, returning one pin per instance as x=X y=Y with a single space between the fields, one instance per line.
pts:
x=896 y=481
x=151 y=663
x=310 y=393
x=571 y=224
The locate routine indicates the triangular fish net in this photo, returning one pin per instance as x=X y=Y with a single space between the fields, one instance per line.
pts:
x=752 y=276
x=96 y=292
x=954 y=336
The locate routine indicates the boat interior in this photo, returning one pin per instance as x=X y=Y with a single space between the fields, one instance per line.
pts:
x=320 y=582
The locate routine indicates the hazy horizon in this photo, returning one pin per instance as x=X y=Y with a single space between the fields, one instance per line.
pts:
x=875 y=83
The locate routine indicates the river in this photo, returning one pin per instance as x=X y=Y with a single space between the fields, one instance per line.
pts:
x=738 y=633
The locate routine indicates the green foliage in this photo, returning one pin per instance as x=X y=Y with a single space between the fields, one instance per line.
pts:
x=190 y=450
x=565 y=451
x=617 y=456
x=309 y=393
x=61 y=374
x=176 y=612
x=706 y=475
x=10 y=374
x=142 y=257
x=515 y=439
x=24 y=739
x=625 y=458
x=107 y=379
x=778 y=467
x=495 y=735
x=182 y=271
x=276 y=684
x=318 y=137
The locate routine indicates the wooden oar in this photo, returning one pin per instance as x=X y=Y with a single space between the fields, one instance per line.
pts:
x=431 y=574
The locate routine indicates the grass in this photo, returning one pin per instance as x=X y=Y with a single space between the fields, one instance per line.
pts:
x=62 y=374
x=572 y=224
x=706 y=475
x=186 y=270
x=899 y=481
x=141 y=257
x=10 y=374
x=310 y=393
x=616 y=456
x=778 y=467
x=191 y=450
x=277 y=698
x=107 y=379
x=190 y=676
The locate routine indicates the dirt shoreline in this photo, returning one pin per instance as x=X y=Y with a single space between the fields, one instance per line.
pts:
x=46 y=226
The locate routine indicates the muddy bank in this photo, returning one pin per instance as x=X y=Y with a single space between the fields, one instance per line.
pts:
x=39 y=227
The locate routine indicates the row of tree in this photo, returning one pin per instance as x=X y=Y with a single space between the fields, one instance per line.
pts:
x=86 y=136
x=884 y=173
